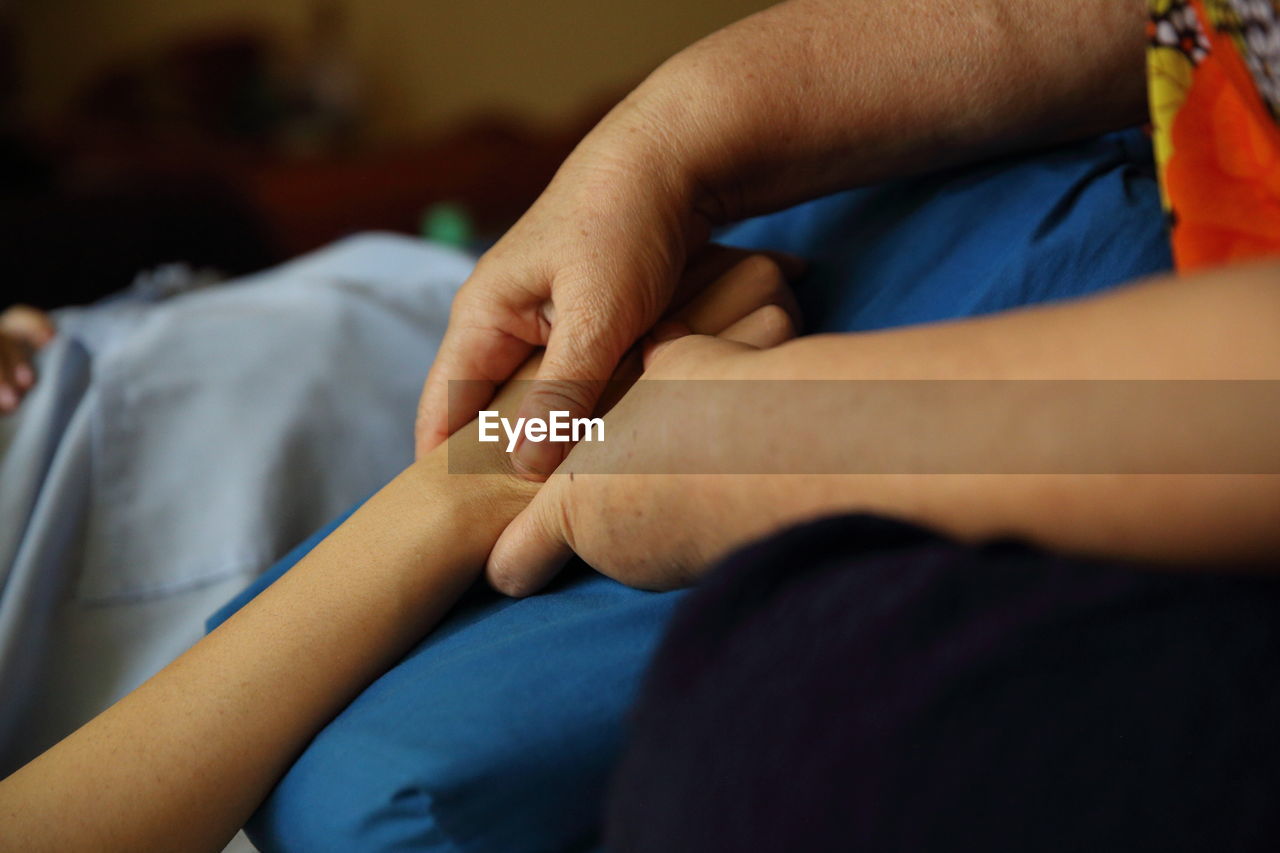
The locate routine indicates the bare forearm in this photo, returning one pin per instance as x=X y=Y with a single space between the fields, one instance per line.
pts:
x=812 y=96
x=1219 y=325
x=1122 y=480
x=181 y=763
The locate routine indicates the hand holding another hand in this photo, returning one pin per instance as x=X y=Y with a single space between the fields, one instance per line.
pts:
x=588 y=269
x=622 y=504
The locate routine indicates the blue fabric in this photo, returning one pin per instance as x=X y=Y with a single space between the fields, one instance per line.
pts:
x=1047 y=226
x=498 y=732
x=499 y=728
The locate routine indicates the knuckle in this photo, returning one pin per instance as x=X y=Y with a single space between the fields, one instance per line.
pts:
x=591 y=310
x=486 y=290
x=576 y=396
x=675 y=352
x=763 y=271
x=623 y=294
x=776 y=323
x=465 y=304
x=586 y=349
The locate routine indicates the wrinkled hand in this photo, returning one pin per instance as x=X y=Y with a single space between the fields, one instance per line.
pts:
x=645 y=529
x=588 y=269
x=23 y=330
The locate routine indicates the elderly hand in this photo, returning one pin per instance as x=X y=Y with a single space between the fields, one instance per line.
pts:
x=799 y=100
x=591 y=266
x=617 y=503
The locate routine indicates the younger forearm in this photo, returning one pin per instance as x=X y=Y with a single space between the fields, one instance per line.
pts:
x=880 y=88
x=182 y=762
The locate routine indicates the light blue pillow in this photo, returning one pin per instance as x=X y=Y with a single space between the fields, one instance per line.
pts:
x=499 y=731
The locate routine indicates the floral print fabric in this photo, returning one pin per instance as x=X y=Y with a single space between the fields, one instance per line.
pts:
x=1214 y=71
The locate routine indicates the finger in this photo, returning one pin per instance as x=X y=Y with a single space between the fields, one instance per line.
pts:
x=761 y=316
x=702 y=269
x=662 y=334
x=656 y=345
x=482 y=355
x=767 y=326
x=531 y=551
x=580 y=355
x=754 y=281
x=713 y=260
x=31 y=325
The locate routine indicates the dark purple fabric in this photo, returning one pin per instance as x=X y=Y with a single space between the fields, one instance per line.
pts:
x=860 y=684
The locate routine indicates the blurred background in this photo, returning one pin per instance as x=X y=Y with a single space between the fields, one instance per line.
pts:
x=233 y=134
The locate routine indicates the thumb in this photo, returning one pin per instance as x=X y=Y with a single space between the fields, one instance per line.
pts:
x=580 y=358
x=531 y=550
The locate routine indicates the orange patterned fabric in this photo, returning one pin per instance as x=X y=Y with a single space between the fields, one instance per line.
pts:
x=1214 y=70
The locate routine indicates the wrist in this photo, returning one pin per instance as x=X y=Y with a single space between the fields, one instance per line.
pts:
x=657 y=135
x=470 y=495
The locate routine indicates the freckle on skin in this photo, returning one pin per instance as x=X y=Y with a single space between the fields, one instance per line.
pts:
x=570 y=476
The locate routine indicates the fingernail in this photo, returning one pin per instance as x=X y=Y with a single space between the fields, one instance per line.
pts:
x=23 y=375
x=8 y=399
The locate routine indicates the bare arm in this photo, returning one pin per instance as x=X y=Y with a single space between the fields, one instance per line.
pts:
x=180 y=763
x=803 y=99
x=671 y=495
x=1220 y=326
x=812 y=96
